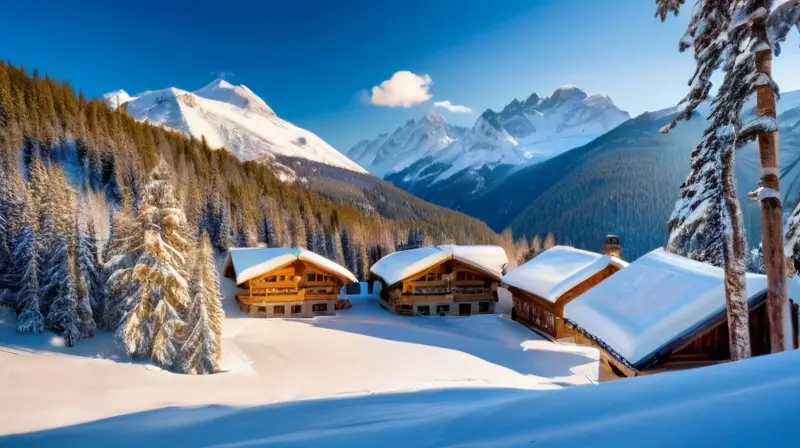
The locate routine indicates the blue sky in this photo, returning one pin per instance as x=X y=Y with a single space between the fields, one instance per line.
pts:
x=315 y=62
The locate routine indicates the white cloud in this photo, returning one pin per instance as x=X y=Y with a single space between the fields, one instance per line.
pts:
x=455 y=108
x=403 y=89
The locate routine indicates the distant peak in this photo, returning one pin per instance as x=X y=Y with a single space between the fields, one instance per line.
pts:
x=568 y=90
x=218 y=83
x=433 y=116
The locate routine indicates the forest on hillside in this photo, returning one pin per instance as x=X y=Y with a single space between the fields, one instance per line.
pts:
x=97 y=208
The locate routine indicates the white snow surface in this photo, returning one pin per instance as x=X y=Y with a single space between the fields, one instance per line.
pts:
x=126 y=405
x=361 y=352
x=251 y=262
x=231 y=117
x=656 y=299
x=557 y=270
x=400 y=265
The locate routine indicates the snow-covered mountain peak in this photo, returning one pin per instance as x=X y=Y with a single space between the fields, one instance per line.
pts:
x=434 y=117
x=231 y=117
x=116 y=98
x=532 y=102
x=564 y=95
x=239 y=96
x=488 y=118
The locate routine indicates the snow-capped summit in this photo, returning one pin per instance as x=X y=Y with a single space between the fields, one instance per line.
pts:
x=239 y=96
x=415 y=140
x=116 y=98
x=232 y=117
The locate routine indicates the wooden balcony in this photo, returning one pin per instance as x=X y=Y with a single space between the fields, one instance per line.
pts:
x=255 y=297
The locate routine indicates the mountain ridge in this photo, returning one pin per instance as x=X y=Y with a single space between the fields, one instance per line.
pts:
x=229 y=116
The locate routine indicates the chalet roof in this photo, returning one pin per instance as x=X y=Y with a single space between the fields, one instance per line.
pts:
x=249 y=263
x=640 y=312
x=490 y=260
x=557 y=270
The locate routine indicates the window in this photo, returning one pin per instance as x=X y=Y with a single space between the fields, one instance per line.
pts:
x=483 y=307
x=271 y=279
x=297 y=309
x=282 y=278
x=431 y=276
x=442 y=309
x=319 y=307
x=464 y=309
x=460 y=276
x=279 y=310
x=424 y=310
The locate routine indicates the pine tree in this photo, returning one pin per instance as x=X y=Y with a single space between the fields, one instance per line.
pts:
x=732 y=35
x=91 y=284
x=202 y=350
x=152 y=324
x=536 y=245
x=124 y=246
x=62 y=316
x=549 y=241
x=29 y=319
x=522 y=249
x=792 y=240
x=270 y=237
x=337 y=252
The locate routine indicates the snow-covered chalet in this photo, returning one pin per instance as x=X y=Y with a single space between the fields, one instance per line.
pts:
x=542 y=287
x=445 y=280
x=664 y=312
x=285 y=282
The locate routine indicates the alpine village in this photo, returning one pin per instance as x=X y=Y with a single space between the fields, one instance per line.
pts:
x=116 y=226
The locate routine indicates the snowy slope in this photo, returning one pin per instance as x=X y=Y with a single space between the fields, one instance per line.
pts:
x=362 y=351
x=232 y=117
x=744 y=404
x=521 y=133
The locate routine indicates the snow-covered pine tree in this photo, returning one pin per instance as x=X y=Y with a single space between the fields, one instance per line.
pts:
x=523 y=247
x=348 y=251
x=536 y=245
x=217 y=216
x=29 y=315
x=792 y=240
x=123 y=248
x=298 y=231
x=336 y=249
x=62 y=316
x=732 y=35
x=152 y=324
x=91 y=284
x=270 y=237
x=202 y=351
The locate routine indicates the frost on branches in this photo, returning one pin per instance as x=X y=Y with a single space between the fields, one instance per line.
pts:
x=152 y=275
x=792 y=241
x=202 y=350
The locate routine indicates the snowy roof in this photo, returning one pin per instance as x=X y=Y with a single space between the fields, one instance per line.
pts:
x=403 y=264
x=658 y=299
x=557 y=270
x=249 y=263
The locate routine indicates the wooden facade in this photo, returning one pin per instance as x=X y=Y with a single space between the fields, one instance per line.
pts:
x=546 y=316
x=449 y=288
x=299 y=289
x=705 y=346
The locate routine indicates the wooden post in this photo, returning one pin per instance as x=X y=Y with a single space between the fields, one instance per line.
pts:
x=771 y=208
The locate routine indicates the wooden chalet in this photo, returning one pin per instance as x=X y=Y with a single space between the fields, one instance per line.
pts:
x=542 y=287
x=285 y=282
x=445 y=280
x=664 y=312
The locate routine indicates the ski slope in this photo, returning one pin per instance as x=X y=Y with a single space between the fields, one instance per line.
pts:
x=360 y=352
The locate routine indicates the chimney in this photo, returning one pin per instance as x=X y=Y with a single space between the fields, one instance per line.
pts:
x=612 y=246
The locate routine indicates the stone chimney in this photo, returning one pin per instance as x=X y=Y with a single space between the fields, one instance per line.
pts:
x=612 y=246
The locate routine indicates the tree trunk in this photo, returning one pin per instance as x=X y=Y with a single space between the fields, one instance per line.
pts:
x=734 y=254
x=771 y=209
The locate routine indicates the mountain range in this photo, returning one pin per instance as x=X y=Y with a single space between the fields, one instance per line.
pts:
x=232 y=117
x=430 y=151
